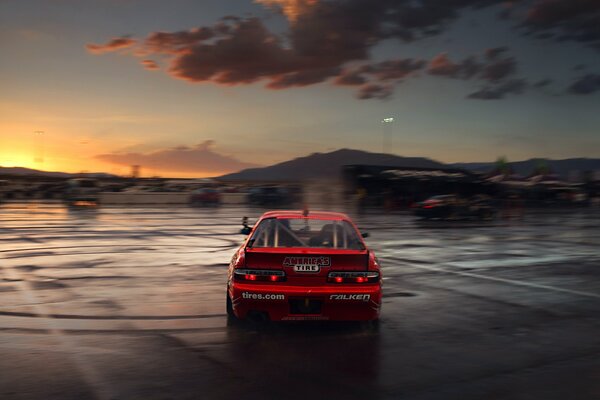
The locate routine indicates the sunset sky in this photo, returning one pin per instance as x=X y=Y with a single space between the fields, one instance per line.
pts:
x=203 y=87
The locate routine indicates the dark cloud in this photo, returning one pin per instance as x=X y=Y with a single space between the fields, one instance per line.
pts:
x=292 y=9
x=351 y=77
x=441 y=65
x=375 y=91
x=118 y=43
x=575 y=20
x=323 y=37
x=174 y=42
x=247 y=54
x=200 y=158
x=499 y=70
x=377 y=80
x=331 y=40
x=495 y=92
x=394 y=70
x=586 y=84
x=412 y=20
x=491 y=68
x=242 y=51
x=497 y=74
x=383 y=72
x=303 y=78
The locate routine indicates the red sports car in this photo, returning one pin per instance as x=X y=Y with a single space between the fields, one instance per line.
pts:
x=299 y=265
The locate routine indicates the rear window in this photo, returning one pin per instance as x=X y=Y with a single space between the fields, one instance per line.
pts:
x=306 y=232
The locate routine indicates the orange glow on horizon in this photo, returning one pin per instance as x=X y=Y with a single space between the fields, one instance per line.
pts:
x=52 y=163
x=42 y=138
x=17 y=160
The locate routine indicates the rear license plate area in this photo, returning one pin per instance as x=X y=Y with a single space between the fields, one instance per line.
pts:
x=305 y=306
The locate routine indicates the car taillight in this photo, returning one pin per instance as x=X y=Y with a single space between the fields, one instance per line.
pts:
x=353 y=277
x=260 y=275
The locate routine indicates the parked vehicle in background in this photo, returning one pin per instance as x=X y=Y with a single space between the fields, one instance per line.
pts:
x=451 y=206
x=16 y=189
x=205 y=196
x=82 y=190
x=272 y=195
x=50 y=190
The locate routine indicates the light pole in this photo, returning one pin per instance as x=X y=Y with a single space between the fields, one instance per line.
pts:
x=387 y=135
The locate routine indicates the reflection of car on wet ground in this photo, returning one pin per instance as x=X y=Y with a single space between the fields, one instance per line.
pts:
x=205 y=196
x=82 y=190
x=455 y=207
x=298 y=265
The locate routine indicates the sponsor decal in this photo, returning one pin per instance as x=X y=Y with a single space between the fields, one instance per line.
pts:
x=307 y=264
x=355 y=297
x=262 y=296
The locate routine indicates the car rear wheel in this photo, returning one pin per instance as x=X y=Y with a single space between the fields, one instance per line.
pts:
x=229 y=307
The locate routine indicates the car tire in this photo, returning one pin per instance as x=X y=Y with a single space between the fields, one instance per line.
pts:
x=229 y=307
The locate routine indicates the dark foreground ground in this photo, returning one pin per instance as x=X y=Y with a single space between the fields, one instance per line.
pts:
x=128 y=303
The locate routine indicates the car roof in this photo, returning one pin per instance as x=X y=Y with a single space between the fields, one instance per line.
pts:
x=300 y=214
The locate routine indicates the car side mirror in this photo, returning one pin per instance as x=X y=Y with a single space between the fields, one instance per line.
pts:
x=365 y=234
x=245 y=228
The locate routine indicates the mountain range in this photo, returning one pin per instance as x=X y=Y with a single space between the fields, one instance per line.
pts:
x=328 y=166
x=21 y=171
x=561 y=168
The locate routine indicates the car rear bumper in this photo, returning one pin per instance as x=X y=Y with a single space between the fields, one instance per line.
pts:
x=289 y=303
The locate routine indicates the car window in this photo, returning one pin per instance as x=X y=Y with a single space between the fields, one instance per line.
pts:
x=306 y=232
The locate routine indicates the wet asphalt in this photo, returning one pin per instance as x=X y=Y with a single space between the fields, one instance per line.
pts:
x=129 y=303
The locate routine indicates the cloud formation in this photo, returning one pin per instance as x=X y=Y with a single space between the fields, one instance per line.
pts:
x=441 y=65
x=560 y=20
x=374 y=91
x=586 y=84
x=499 y=91
x=497 y=75
x=377 y=80
x=115 y=44
x=200 y=158
x=324 y=37
x=150 y=65
x=292 y=9
x=247 y=53
x=331 y=41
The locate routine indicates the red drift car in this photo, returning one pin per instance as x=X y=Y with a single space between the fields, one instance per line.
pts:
x=297 y=265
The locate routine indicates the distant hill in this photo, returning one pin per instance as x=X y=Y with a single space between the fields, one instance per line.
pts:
x=328 y=166
x=20 y=171
x=560 y=167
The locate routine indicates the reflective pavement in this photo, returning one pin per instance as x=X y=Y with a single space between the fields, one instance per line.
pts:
x=129 y=303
